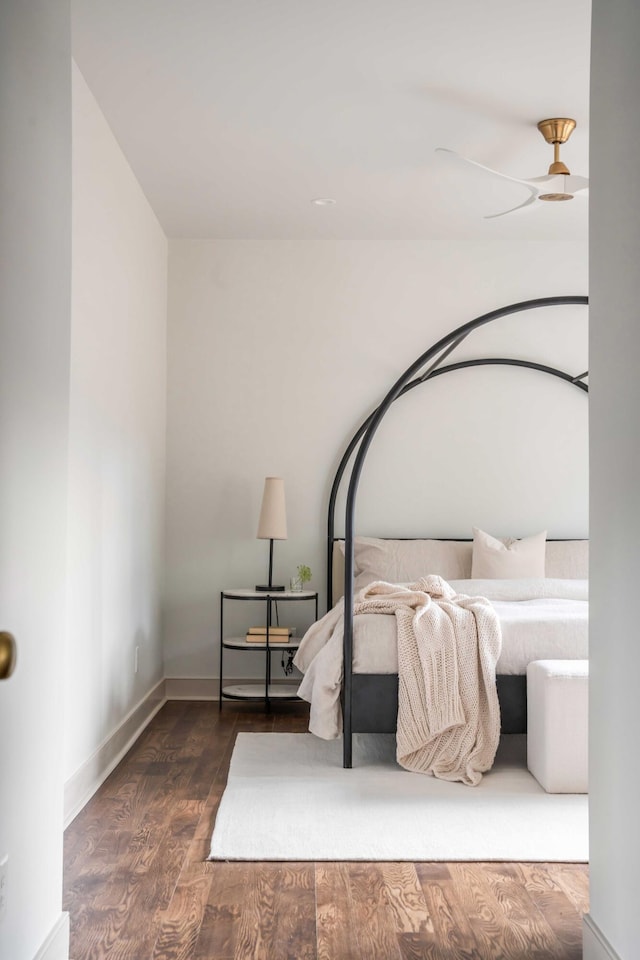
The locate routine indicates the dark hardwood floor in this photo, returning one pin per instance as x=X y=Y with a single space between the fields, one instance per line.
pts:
x=138 y=888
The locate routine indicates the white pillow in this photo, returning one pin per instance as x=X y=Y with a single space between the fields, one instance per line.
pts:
x=403 y=561
x=567 y=559
x=494 y=559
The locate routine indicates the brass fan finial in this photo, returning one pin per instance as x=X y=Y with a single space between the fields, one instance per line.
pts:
x=557 y=131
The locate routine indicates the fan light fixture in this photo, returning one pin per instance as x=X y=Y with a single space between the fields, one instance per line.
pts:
x=558 y=184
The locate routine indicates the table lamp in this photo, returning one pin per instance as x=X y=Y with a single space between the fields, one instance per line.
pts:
x=273 y=522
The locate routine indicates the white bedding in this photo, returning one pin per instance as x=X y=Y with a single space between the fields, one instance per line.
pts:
x=539 y=619
x=543 y=619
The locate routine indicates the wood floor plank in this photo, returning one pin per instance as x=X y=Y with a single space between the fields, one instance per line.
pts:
x=277 y=919
x=258 y=920
x=138 y=885
x=277 y=914
x=97 y=933
x=207 y=818
x=554 y=905
x=203 y=774
x=181 y=921
x=373 y=918
x=83 y=837
x=225 y=759
x=287 y=721
x=294 y=935
x=257 y=724
x=221 y=921
x=527 y=926
x=335 y=923
x=124 y=950
x=573 y=878
x=453 y=937
x=480 y=907
x=405 y=897
x=494 y=906
x=89 y=840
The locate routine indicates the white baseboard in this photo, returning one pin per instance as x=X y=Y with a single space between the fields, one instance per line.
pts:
x=56 y=946
x=595 y=945
x=81 y=786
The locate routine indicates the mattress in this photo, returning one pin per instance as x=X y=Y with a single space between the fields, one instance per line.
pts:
x=554 y=629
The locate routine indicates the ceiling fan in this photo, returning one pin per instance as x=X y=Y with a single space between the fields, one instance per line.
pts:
x=558 y=184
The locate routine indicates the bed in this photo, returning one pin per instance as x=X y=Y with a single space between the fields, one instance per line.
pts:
x=541 y=618
x=549 y=621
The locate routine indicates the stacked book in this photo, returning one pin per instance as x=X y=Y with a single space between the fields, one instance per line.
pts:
x=276 y=635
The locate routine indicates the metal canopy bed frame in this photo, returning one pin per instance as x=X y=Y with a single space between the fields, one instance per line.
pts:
x=370 y=701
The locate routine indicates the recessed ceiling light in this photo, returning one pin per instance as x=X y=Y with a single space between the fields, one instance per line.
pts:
x=323 y=202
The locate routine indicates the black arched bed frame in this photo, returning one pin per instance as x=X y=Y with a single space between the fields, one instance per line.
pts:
x=353 y=709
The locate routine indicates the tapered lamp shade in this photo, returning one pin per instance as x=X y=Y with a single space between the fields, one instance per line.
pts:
x=273 y=523
x=273 y=515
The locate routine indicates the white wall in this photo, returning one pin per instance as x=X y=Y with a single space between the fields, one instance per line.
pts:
x=117 y=438
x=277 y=351
x=615 y=469
x=35 y=266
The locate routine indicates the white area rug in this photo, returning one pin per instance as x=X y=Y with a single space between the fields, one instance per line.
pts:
x=288 y=798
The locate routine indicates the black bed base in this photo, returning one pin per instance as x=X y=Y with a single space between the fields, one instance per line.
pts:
x=374 y=705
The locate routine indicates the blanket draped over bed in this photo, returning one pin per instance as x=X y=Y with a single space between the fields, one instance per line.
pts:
x=448 y=646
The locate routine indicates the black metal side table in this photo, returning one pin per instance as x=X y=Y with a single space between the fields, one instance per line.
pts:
x=252 y=690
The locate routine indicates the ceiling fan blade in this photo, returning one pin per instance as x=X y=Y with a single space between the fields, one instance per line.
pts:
x=576 y=184
x=526 y=203
x=533 y=190
x=495 y=173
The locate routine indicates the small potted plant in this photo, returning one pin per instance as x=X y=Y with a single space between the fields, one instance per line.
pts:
x=303 y=576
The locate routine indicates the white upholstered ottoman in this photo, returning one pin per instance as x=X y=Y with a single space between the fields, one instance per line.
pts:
x=557 y=724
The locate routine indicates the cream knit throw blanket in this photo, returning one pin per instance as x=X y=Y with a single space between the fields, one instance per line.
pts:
x=448 y=646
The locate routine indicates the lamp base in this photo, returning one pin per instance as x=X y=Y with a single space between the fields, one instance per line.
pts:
x=269 y=588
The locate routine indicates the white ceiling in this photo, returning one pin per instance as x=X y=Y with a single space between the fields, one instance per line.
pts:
x=235 y=114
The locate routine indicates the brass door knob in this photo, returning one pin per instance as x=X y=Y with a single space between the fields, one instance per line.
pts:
x=7 y=654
